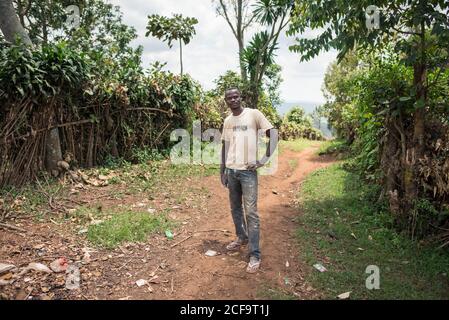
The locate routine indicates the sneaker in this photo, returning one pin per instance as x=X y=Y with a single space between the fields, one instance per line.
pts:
x=236 y=244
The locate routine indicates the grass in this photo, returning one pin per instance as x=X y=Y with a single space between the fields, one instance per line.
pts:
x=297 y=145
x=344 y=228
x=118 y=225
x=333 y=146
x=153 y=176
x=269 y=293
x=31 y=198
x=150 y=178
x=127 y=226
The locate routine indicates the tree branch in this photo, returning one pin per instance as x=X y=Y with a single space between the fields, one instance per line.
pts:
x=248 y=23
x=225 y=15
x=434 y=82
x=8 y=226
x=148 y=109
x=236 y=7
x=239 y=18
x=27 y=9
x=273 y=40
x=406 y=32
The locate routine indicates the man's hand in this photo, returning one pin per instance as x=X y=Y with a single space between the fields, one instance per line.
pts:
x=224 y=180
x=255 y=166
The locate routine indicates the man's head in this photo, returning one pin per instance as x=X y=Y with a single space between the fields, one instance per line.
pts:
x=233 y=98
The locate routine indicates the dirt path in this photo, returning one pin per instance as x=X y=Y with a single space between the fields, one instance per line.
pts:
x=196 y=276
x=179 y=271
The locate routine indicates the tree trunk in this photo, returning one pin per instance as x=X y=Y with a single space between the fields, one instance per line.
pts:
x=111 y=131
x=20 y=13
x=392 y=155
x=10 y=24
x=238 y=30
x=252 y=96
x=240 y=39
x=90 y=148
x=180 y=54
x=420 y=75
x=53 y=152
x=415 y=150
x=11 y=28
x=44 y=32
x=243 y=74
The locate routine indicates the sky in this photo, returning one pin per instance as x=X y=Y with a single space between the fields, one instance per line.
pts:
x=214 y=50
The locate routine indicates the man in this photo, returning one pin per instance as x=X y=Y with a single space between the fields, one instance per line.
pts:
x=239 y=166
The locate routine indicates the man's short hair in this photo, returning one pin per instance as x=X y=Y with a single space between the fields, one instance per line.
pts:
x=231 y=89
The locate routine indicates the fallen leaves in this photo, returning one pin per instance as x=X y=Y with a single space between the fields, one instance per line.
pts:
x=96 y=179
x=6 y=277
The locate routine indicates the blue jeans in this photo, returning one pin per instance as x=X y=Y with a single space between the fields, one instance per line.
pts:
x=242 y=186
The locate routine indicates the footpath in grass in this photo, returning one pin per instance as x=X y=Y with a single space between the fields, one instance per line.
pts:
x=343 y=228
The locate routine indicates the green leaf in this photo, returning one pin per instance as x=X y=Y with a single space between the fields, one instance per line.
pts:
x=21 y=91
x=420 y=104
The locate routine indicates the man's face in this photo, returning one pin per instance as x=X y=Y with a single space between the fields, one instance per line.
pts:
x=233 y=99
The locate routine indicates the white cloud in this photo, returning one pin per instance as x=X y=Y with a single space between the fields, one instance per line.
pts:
x=213 y=50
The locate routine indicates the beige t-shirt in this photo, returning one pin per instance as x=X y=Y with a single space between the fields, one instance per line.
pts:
x=242 y=133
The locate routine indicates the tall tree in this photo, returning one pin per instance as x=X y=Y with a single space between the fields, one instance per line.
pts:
x=336 y=89
x=12 y=28
x=100 y=30
x=42 y=17
x=405 y=24
x=239 y=16
x=274 y=15
x=10 y=24
x=172 y=29
x=100 y=26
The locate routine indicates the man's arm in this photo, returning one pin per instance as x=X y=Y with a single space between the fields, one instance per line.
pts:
x=224 y=177
x=273 y=140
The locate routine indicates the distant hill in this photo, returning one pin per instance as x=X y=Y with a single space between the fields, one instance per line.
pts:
x=308 y=107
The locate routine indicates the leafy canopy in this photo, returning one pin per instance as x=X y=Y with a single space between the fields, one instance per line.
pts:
x=171 y=29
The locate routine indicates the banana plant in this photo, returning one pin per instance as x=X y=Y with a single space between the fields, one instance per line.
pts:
x=274 y=16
